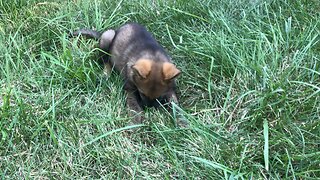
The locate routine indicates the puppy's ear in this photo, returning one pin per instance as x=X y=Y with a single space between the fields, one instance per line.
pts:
x=169 y=71
x=142 y=68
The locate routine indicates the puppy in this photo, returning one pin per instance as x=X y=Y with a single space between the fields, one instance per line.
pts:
x=146 y=68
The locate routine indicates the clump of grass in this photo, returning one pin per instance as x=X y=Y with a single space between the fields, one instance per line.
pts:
x=249 y=88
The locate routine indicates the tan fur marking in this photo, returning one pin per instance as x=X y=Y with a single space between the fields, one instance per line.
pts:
x=169 y=71
x=143 y=67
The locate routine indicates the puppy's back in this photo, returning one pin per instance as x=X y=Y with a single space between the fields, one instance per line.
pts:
x=133 y=42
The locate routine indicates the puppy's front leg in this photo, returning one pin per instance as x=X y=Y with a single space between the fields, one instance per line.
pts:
x=134 y=108
x=172 y=97
x=181 y=121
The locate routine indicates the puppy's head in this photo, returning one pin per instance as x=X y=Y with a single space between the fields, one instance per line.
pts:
x=153 y=79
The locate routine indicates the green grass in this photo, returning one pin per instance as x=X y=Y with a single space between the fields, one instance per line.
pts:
x=250 y=88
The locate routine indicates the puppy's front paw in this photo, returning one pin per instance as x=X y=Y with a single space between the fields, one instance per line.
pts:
x=182 y=122
x=137 y=118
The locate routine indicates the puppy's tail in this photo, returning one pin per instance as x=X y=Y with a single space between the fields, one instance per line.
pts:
x=105 y=38
x=87 y=33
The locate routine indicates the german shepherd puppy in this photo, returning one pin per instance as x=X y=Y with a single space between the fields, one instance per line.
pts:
x=146 y=68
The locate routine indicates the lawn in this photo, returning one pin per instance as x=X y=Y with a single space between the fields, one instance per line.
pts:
x=250 y=89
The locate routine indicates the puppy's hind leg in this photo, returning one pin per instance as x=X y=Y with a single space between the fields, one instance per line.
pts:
x=106 y=39
x=107 y=69
x=105 y=42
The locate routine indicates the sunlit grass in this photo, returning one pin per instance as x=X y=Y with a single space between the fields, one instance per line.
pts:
x=250 y=88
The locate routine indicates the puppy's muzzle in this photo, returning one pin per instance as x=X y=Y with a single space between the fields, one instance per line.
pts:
x=149 y=102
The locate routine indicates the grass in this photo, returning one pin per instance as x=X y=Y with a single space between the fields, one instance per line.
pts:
x=250 y=89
